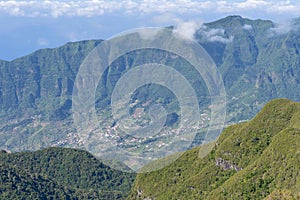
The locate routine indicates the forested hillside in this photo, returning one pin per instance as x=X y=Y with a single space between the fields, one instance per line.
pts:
x=58 y=173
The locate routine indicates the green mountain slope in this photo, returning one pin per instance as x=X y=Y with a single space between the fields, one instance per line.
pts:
x=27 y=83
x=252 y=160
x=35 y=96
x=66 y=173
x=258 y=62
x=19 y=184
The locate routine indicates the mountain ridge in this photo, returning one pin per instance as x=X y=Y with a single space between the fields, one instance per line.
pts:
x=251 y=160
x=36 y=90
x=60 y=173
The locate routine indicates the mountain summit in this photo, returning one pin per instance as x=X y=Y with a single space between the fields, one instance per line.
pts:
x=258 y=60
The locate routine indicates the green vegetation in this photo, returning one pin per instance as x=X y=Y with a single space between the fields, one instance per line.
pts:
x=252 y=160
x=58 y=173
x=257 y=65
x=19 y=184
x=35 y=96
x=258 y=159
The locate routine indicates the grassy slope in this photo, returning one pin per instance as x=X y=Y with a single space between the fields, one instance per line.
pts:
x=267 y=149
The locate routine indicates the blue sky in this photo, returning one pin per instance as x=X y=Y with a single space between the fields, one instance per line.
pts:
x=30 y=25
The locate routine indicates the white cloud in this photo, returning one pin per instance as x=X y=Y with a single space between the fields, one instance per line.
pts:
x=247 y=27
x=285 y=7
x=212 y=32
x=253 y=4
x=221 y=39
x=282 y=28
x=215 y=35
x=187 y=28
x=100 y=7
x=190 y=27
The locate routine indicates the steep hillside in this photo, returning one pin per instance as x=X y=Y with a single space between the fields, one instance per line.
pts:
x=35 y=96
x=252 y=160
x=61 y=172
x=258 y=62
x=41 y=81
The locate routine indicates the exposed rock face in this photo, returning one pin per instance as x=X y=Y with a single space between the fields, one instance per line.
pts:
x=226 y=165
x=140 y=195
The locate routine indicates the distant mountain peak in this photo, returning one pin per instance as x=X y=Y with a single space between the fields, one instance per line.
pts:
x=237 y=20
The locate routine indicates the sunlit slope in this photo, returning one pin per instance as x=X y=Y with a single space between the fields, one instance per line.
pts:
x=251 y=160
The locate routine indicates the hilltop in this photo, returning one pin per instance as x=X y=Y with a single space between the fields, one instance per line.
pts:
x=60 y=173
x=258 y=62
x=252 y=160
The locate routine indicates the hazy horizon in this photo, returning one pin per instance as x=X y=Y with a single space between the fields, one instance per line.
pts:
x=32 y=25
